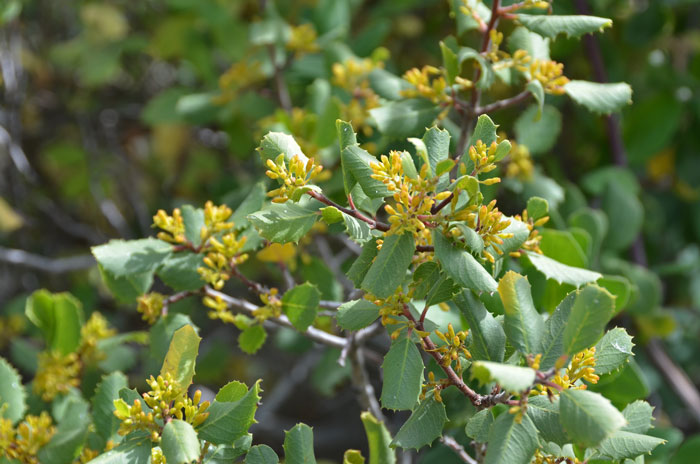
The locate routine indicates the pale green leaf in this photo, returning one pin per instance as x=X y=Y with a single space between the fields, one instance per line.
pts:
x=638 y=415
x=284 y=222
x=403 y=375
x=180 y=359
x=261 y=454
x=135 y=448
x=252 y=338
x=534 y=44
x=599 y=98
x=461 y=266
x=230 y=420
x=512 y=378
x=523 y=324
x=625 y=213
x=545 y=415
x=379 y=439
x=358 y=231
x=592 y=309
x=12 y=393
x=124 y=258
x=553 y=339
x=299 y=445
x=389 y=269
x=300 y=305
x=511 y=442
x=59 y=316
x=624 y=444
x=106 y=423
x=251 y=203
x=562 y=273
x=360 y=267
x=588 y=417
x=570 y=25
x=424 y=425
x=485 y=130
x=193 y=218
x=613 y=350
x=356 y=314
x=356 y=169
x=538 y=127
x=276 y=143
x=405 y=118
x=179 y=442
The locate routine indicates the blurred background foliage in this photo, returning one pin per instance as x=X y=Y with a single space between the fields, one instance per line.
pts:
x=110 y=110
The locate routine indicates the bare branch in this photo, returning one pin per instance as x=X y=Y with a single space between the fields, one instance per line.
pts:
x=451 y=443
x=42 y=263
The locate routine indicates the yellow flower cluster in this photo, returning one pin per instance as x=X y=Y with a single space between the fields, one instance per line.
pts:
x=239 y=76
x=292 y=179
x=272 y=305
x=533 y=240
x=22 y=443
x=550 y=74
x=519 y=163
x=488 y=222
x=428 y=82
x=172 y=227
x=484 y=159
x=453 y=347
x=581 y=367
x=494 y=53
x=390 y=308
x=10 y=326
x=150 y=306
x=435 y=386
x=353 y=76
x=167 y=401
x=411 y=196
x=94 y=330
x=302 y=39
x=157 y=456
x=541 y=458
x=219 y=309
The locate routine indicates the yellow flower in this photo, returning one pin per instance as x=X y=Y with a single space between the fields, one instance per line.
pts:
x=56 y=374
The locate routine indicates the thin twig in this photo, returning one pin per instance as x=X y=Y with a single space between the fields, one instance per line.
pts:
x=368 y=397
x=500 y=104
x=42 y=263
x=451 y=443
x=350 y=212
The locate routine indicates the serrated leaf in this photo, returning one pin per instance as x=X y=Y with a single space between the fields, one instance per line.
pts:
x=599 y=98
x=592 y=309
x=638 y=415
x=356 y=314
x=179 y=271
x=12 y=394
x=356 y=169
x=106 y=423
x=545 y=415
x=261 y=454
x=510 y=441
x=570 y=25
x=346 y=134
x=405 y=118
x=485 y=130
x=431 y=284
x=283 y=222
x=624 y=444
x=379 y=439
x=275 y=143
x=231 y=392
x=299 y=445
x=479 y=425
x=553 y=338
x=523 y=324
x=562 y=273
x=461 y=266
x=424 y=425
x=130 y=257
x=360 y=267
x=588 y=418
x=59 y=316
x=179 y=442
x=612 y=351
x=300 y=305
x=488 y=337
x=388 y=270
x=135 y=448
x=182 y=353
x=71 y=432
x=252 y=338
x=230 y=420
x=403 y=375
x=512 y=378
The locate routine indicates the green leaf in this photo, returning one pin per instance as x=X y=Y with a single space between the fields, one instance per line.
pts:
x=626 y=215
x=387 y=85
x=488 y=337
x=461 y=266
x=612 y=351
x=59 y=316
x=534 y=44
x=135 y=448
x=592 y=309
x=179 y=271
x=599 y=98
x=479 y=425
x=180 y=359
x=537 y=208
x=588 y=417
x=562 y=273
x=403 y=375
x=405 y=118
x=510 y=441
x=545 y=415
x=275 y=143
x=299 y=445
x=485 y=130
x=638 y=416
x=389 y=269
x=537 y=91
x=353 y=457
x=261 y=454
x=424 y=425
x=465 y=21
x=356 y=314
x=232 y=392
x=538 y=128
x=161 y=334
x=253 y=202
x=106 y=423
x=520 y=233
x=127 y=289
x=193 y=218
x=356 y=169
x=358 y=231
x=283 y=222
x=331 y=215
x=230 y=420
x=619 y=287
x=179 y=442
x=360 y=267
x=449 y=62
x=12 y=394
x=437 y=146
x=126 y=258
x=523 y=324
x=300 y=305
x=252 y=338
x=553 y=338
x=431 y=284
x=379 y=439
x=624 y=444
x=570 y=25
x=71 y=432
x=512 y=378
x=346 y=134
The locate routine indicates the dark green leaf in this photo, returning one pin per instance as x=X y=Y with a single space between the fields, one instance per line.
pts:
x=106 y=423
x=228 y=421
x=510 y=441
x=134 y=449
x=252 y=338
x=127 y=258
x=299 y=445
x=356 y=314
x=424 y=425
x=523 y=326
x=553 y=338
x=389 y=269
x=356 y=169
x=592 y=309
x=360 y=267
x=300 y=305
x=461 y=266
x=405 y=118
x=612 y=351
x=403 y=375
x=284 y=222
x=588 y=417
x=545 y=415
x=261 y=454
x=488 y=337
x=479 y=425
x=179 y=271
x=623 y=445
